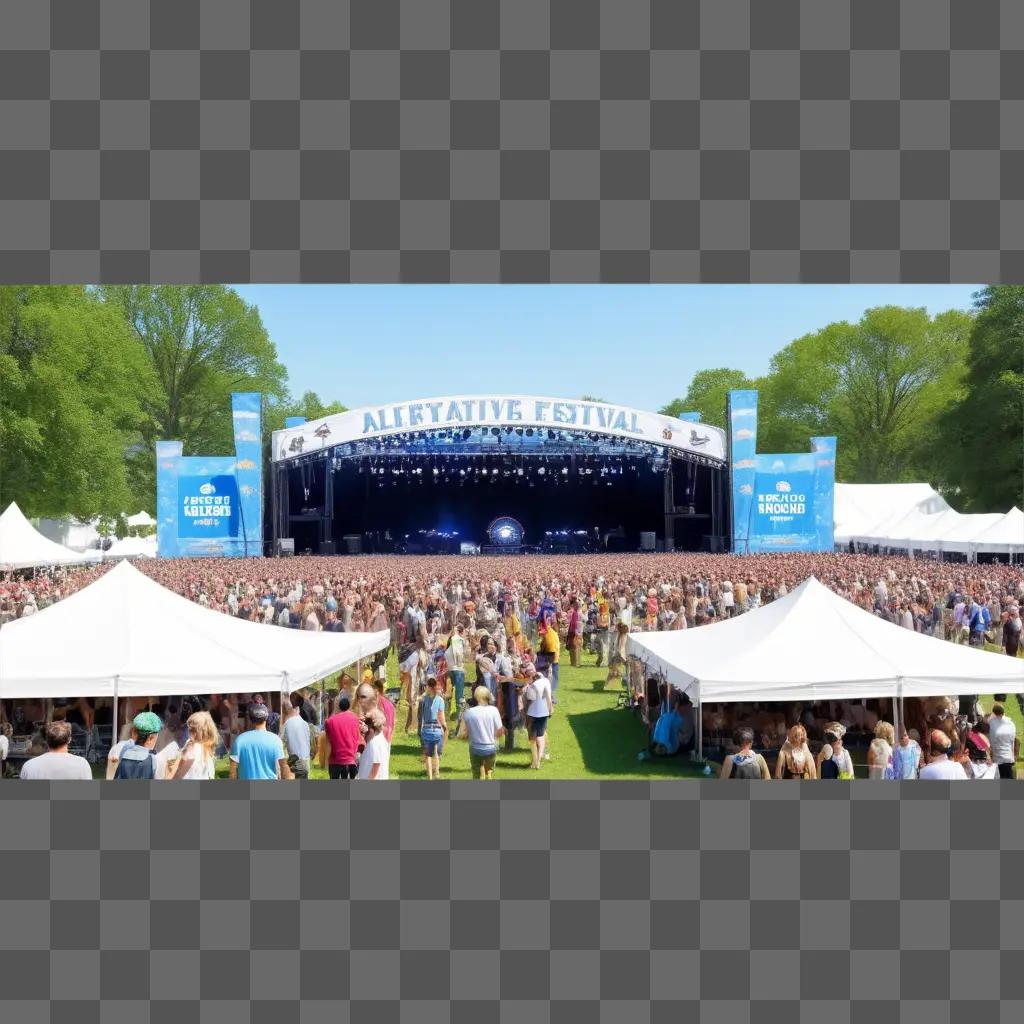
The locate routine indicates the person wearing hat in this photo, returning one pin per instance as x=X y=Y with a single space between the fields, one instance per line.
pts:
x=257 y=753
x=834 y=761
x=135 y=760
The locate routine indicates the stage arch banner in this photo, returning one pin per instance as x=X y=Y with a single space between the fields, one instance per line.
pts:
x=500 y=411
x=213 y=506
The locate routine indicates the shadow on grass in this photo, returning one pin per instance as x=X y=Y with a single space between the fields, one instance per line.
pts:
x=610 y=739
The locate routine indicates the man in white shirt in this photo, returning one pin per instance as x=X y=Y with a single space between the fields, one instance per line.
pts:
x=57 y=763
x=296 y=738
x=939 y=765
x=1002 y=735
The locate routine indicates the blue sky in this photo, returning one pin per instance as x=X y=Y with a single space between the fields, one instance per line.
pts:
x=634 y=345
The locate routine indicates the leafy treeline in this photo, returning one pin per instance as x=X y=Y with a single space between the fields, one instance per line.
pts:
x=910 y=397
x=91 y=378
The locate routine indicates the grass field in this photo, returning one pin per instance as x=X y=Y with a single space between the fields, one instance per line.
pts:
x=588 y=738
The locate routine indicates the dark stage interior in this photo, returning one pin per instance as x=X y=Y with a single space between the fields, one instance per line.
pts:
x=565 y=503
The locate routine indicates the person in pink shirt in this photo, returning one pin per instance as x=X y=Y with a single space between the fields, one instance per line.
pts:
x=386 y=707
x=341 y=738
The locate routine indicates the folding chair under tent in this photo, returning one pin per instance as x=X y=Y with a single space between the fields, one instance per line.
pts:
x=813 y=645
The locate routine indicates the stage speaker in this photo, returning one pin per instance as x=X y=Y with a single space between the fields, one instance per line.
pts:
x=285 y=546
x=354 y=543
x=714 y=544
x=326 y=548
x=647 y=541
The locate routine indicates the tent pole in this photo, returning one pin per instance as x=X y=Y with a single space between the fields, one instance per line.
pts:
x=700 y=725
x=115 y=729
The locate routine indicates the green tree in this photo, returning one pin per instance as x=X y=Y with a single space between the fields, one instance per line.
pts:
x=982 y=433
x=592 y=398
x=202 y=342
x=707 y=394
x=73 y=382
x=879 y=385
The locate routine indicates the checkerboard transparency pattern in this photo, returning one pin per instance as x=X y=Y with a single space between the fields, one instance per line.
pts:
x=582 y=901
x=511 y=140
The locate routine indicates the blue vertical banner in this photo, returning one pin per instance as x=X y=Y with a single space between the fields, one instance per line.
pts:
x=824 y=449
x=213 y=506
x=779 y=502
x=741 y=412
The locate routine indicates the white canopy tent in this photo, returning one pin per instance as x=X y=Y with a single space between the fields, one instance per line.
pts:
x=1005 y=536
x=860 y=509
x=22 y=546
x=125 y=635
x=141 y=519
x=813 y=645
x=131 y=547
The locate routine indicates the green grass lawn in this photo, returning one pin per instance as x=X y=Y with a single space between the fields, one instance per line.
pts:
x=588 y=738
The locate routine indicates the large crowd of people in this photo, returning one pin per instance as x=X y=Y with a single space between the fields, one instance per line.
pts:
x=479 y=642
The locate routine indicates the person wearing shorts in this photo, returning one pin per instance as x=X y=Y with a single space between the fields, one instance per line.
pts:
x=482 y=726
x=433 y=728
x=537 y=694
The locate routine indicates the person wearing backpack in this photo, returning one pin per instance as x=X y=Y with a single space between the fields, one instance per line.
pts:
x=433 y=728
x=136 y=760
x=746 y=763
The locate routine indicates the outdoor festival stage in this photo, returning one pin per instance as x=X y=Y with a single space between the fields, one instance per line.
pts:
x=503 y=474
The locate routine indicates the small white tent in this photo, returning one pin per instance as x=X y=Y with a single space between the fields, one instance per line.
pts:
x=861 y=509
x=22 y=546
x=131 y=547
x=126 y=635
x=141 y=519
x=814 y=645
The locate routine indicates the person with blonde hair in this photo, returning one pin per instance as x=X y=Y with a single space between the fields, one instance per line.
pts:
x=834 y=761
x=880 y=759
x=198 y=757
x=376 y=756
x=795 y=759
x=482 y=726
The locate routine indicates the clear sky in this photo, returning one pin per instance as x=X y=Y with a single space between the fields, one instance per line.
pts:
x=635 y=345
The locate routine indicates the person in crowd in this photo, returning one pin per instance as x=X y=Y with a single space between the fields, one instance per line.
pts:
x=979 y=759
x=296 y=737
x=674 y=732
x=57 y=763
x=795 y=760
x=456 y=658
x=907 y=756
x=433 y=728
x=574 y=633
x=136 y=759
x=1012 y=631
x=940 y=766
x=5 y=745
x=834 y=761
x=1004 y=741
x=375 y=758
x=340 y=740
x=880 y=752
x=386 y=707
x=198 y=758
x=539 y=706
x=258 y=753
x=550 y=646
x=745 y=763
x=481 y=725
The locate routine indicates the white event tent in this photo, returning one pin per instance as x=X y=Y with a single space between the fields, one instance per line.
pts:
x=915 y=517
x=142 y=518
x=813 y=645
x=126 y=635
x=131 y=547
x=22 y=546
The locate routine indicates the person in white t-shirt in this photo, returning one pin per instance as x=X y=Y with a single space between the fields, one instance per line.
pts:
x=539 y=706
x=57 y=763
x=374 y=761
x=482 y=726
x=939 y=765
x=5 y=744
x=1002 y=735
